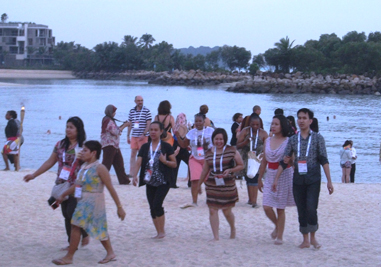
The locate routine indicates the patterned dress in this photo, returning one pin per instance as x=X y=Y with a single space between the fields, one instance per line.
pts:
x=283 y=196
x=90 y=213
x=221 y=196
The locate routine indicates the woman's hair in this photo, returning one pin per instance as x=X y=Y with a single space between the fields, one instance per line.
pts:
x=347 y=143
x=200 y=115
x=254 y=116
x=220 y=131
x=292 y=120
x=81 y=134
x=236 y=116
x=283 y=124
x=161 y=126
x=12 y=113
x=315 y=125
x=164 y=108
x=93 y=145
x=204 y=109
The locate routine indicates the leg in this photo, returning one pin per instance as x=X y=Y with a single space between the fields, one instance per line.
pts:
x=118 y=164
x=347 y=174
x=280 y=226
x=108 y=156
x=155 y=197
x=255 y=195
x=300 y=197
x=229 y=215
x=214 y=223
x=353 y=171
x=271 y=215
x=134 y=152
x=194 y=191
x=313 y=191
x=343 y=175
x=110 y=256
x=313 y=241
x=68 y=208
x=74 y=242
x=5 y=157
x=16 y=162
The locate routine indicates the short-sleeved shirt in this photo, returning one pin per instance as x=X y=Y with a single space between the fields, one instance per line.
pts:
x=141 y=116
x=68 y=161
x=317 y=156
x=201 y=138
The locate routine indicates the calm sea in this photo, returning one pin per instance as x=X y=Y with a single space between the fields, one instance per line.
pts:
x=357 y=117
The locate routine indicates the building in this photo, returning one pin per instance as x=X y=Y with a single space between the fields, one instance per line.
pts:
x=25 y=44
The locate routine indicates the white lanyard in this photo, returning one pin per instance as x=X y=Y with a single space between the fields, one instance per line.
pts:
x=83 y=175
x=308 y=145
x=214 y=159
x=153 y=155
x=141 y=111
x=64 y=156
x=202 y=137
x=256 y=139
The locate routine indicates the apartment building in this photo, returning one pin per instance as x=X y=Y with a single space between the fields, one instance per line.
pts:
x=24 y=44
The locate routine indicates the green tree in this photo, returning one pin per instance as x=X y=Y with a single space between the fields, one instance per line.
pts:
x=146 y=41
x=253 y=68
x=374 y=37
x=129 y=40
x=162 y=56
x=178 y=59
x=354 y=36
x=284 y=51
x=235 y=57
x=212 y=60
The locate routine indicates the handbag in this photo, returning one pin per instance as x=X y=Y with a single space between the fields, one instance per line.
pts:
x=59 y=189
x=253 y=162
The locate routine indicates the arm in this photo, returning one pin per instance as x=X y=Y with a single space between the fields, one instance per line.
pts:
x=128 y=133
x=146 y=129
x=44 y=167
x=242 y=138
x=238 y=167
x=204 y=173
x=262 y=170
x=328 y=175
x=105 y=177
x=277 y=175
x=124 y=125
x=184 y=143
x=171 y=163
x=66 y=193
x=136 y=169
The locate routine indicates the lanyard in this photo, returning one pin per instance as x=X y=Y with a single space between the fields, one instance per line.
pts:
x=64 y=155
x=140 y=115
x=153 y=155
x=214 y=159
x=308 y=145
x=256 y=139
x=83 y=175
x=202 y=136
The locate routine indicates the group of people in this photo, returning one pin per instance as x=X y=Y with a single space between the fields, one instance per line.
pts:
x=290 y=166
x=348 y=158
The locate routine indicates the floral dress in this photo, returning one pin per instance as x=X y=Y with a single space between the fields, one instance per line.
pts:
x=90 y=213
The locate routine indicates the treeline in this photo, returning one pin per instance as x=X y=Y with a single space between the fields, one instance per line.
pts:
x=143 y=54
x=355 y=53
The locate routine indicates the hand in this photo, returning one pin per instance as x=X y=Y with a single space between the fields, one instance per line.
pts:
x=274 y=186
x=141 y=138
x=121 y=213
x=177 y=151
x=226 y=173
x=163 y=158
x=286 y=159
x=135 y=181
x=29 y=177
x=260 y=185
x=260 y=156
x=59 y=200
x=330 y=188
x=128 y=140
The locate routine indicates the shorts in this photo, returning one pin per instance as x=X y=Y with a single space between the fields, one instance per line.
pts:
x=195 y=167
x=136 y=144
x=252 y=181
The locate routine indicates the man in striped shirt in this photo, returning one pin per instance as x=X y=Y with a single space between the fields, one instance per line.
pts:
x=140 y=119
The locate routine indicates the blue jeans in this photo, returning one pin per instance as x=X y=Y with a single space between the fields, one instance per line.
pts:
x=306 y=197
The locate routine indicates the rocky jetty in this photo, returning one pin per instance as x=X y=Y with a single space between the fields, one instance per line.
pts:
x=299 y=83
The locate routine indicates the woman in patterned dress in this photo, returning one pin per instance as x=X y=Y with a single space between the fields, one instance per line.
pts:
x=221 y=162
x=277 y=194
x=90 y=213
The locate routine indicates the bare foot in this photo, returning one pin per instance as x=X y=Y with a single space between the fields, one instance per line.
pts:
x=214 y=240
x=304 y=244
x=6 y=169
x=159 y=236
x=315 y=244
x=65 y=248
x=108 y=259
x=232 y=233
x=278 y=242
x=85 y=241
x=62 y=261
x=273 y=234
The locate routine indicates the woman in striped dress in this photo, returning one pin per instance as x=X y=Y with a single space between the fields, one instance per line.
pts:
x=277 y=194
x=221 y=162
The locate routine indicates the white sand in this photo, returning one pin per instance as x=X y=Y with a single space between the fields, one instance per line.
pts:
x=35 y=74
x=31 y=233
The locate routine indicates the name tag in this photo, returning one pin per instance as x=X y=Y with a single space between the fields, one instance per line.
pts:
x=219 y=181
x=148 y=175
x=136 y=125
x=200 y=152
x=302 y=167
x=65 y=173
x=78 y=191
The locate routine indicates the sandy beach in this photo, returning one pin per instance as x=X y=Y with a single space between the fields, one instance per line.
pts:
x=32 y=233
x=33 y=74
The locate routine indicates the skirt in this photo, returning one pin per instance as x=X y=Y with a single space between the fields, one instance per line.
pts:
x=221 y=196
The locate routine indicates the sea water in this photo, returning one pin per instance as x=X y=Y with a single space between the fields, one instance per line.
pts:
x=357 y=117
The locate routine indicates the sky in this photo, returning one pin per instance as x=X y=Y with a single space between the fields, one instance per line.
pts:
x=253 y=24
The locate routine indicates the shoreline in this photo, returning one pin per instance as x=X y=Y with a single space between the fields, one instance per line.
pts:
x=32 y=233
x=35 y=74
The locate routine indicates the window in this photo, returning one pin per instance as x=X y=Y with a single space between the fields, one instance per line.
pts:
x=1 y=32
x=1 y=49
x=30 y=41
x=13 y=49
x=42 y=41
x=14 y=32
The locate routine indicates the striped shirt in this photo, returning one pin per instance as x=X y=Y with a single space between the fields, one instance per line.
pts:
x=141 y=117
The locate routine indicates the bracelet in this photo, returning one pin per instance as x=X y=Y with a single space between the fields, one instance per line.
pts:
x=120 y=206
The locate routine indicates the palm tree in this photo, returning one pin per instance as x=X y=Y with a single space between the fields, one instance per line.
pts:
x=285 y=49
x=129 y=39
x=4 y=17
x=146 y=41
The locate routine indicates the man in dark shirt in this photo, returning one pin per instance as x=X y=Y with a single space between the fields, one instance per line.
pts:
x=11 y=134
x=310 y=152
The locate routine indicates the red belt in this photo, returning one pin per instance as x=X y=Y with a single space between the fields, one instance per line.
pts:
x=275 y=165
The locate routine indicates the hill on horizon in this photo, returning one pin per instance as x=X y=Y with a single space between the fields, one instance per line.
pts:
x=202 y=50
